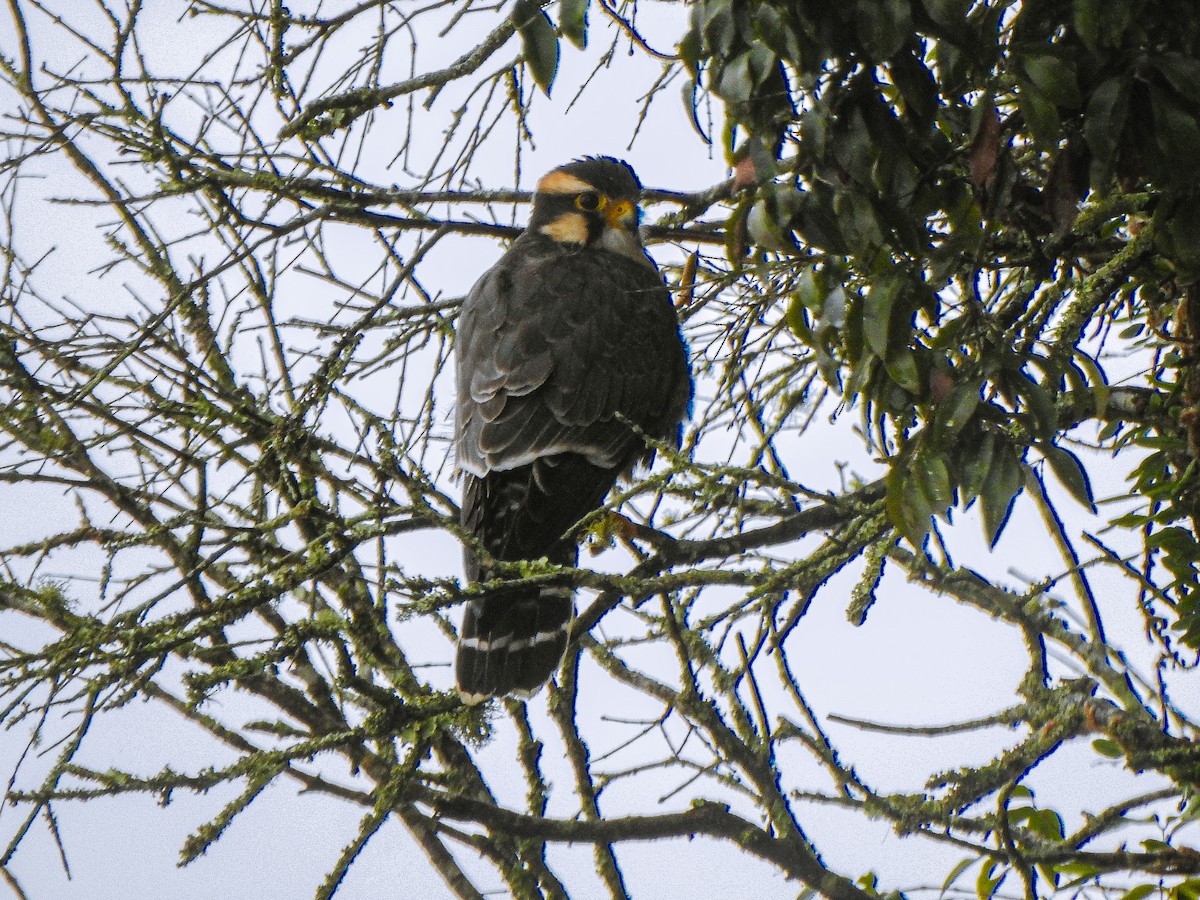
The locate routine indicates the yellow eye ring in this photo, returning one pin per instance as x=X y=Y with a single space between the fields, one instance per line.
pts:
x=590 y=201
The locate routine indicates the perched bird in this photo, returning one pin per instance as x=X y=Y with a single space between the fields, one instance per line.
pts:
x=569 y=334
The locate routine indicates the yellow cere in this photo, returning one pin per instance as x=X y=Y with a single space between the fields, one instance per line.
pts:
x=621 y=214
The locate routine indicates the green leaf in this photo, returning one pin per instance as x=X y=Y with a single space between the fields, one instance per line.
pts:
x=1097 y=380
x=1104 y=122
x=1070 y=473
x=811 y=290
x=933 y=478
x=1085 y=16
x=1053 y=77
x=888 y=331
x=959 y=868
x=976 y=469
x=688 y=92
x=1177 y=232
x=901 y=366
x=1079 y=872
x=1019 y=815
x=906 y=507
x=797 y=321
x=735 y=82
x=763 y=63
x=818 y=221
x=1047 y=823
x=690 y=47
x=883 y=26
x=572 y=19
x=539 y=42
x=1177 y=541
x=1142 y=890
x=877 y=314
x=719 y=29
x=947 y=13
x=1039 y=405
x=1115 y=19
x=956 y=410
x=1047 y=871
x=999 y=492
x=1182 y=72
x=833 y=311
x=1132 y=331
x=858 y=215
x=986 y=884
x=854 y=148
x=1021 y=792
x=918 y=88
x=1178 y=136
x=1041 y=116
x=1109 y=748
x=830 y=369
x=774 y=32
x=735 y=232
x=767 y=228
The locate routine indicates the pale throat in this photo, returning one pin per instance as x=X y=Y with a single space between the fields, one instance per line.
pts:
x=627 y=243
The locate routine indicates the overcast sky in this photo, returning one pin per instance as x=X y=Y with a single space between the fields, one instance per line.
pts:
x=917 y=660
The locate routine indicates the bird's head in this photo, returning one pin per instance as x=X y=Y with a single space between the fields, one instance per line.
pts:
x=591 y=202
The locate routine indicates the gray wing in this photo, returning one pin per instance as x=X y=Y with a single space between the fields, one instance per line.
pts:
x=552 y=345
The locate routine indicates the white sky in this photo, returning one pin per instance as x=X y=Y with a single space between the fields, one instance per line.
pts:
x=886 y=670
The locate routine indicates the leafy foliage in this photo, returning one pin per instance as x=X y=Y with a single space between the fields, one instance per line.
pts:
x=920 y=167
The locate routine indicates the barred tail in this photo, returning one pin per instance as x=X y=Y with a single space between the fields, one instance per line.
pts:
x=512 y=641
x=513 y=638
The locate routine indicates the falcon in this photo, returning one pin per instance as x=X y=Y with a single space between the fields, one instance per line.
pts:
x=569 y=356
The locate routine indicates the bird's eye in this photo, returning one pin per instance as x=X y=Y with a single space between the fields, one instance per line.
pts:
x=589 y=201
